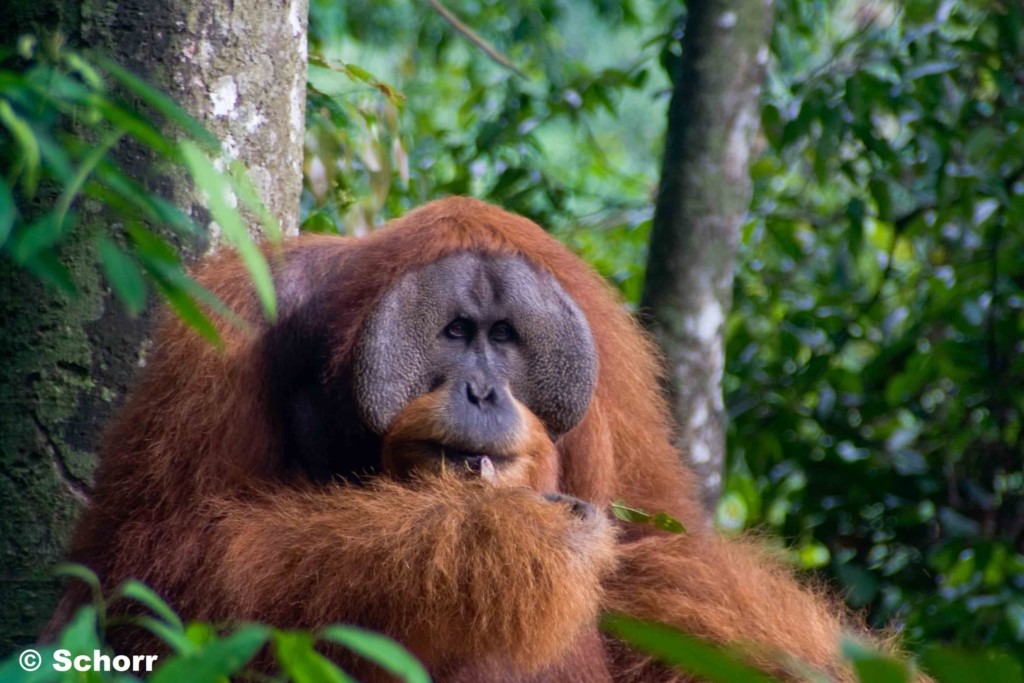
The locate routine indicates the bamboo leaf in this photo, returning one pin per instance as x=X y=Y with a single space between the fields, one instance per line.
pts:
x=250 y=198
x=379 y=649
x=39 y=235
x=48 y=268
x=161 y=102
x=26 y=139
x=684 y=652
x=85 y=575
x=218 y=660
x=182 y=303
x=302 y=663
x=218 y=191
x=124 y=276
x=89 y=163
x=174 y=637
x=139 y=592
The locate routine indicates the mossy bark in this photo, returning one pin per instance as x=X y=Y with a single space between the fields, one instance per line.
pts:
x=65 y=364
x=702 y=200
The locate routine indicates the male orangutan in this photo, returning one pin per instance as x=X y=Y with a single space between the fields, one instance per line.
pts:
x=425 y=444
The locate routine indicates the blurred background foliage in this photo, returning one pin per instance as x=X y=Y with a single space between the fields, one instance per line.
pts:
x=876 y=348
x=568 y=134
x=875 y=353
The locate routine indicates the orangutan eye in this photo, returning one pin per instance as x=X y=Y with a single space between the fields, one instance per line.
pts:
x=460 y=328
x=502 y=332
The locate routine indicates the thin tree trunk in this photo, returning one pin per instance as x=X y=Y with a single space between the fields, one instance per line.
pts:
x=702 y=199
x=239 y=67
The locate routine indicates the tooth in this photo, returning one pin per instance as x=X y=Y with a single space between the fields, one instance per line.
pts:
x=487 y=471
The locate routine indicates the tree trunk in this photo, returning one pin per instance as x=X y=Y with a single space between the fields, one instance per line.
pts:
x=702 y=199
x=240 y=69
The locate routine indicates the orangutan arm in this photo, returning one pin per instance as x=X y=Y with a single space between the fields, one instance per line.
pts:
x=457 y=571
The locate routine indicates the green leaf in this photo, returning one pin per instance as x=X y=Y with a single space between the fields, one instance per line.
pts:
x=151 y=245
x=319 y=223
x=156 y=209
x=124 y=276
x=84 y=69
x=140 y=592
x=358 y=73
x=814 y=555
x=56 y=159
x=82 y=632
x=217 y=190
x=731 y=513
x=883 y=198
x=929 y=69
x=379 y=649
x=174 y=637
x=661 y=520
x=955 y=665
x=200 y=633
x=29 y=240
x=628 y=514
x=683 y=652
x=48 y=268
x=217 y=661
x=247 y=193
x=161 y=102
x=136 y=126
x=12 y=671
x=872 y=666
x=173 y=274
x=666 y=522
x=169 y=214
x=183 y=304
x=302 y=663
x=861 y=586
x=85 y=575
x=8 y=211
x=89 y=163
x=26 y=139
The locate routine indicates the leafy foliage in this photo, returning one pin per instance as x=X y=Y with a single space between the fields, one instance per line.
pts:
x=715 y=663
x=875 y=368
x=712 y=663
x=204 y=653
x=62 y=122
x=548 y=143
x=660 y=520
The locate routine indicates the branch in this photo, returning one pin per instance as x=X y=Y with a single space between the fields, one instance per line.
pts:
x=472 y=37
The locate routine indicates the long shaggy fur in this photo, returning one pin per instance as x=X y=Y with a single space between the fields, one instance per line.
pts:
x=195 y=497
x=415 y=564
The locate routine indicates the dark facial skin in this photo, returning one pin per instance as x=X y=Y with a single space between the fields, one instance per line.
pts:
x=481 y=329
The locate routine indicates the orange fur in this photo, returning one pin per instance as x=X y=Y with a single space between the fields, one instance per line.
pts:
x=469 y=542
x=729 y=592
x=193 y=494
